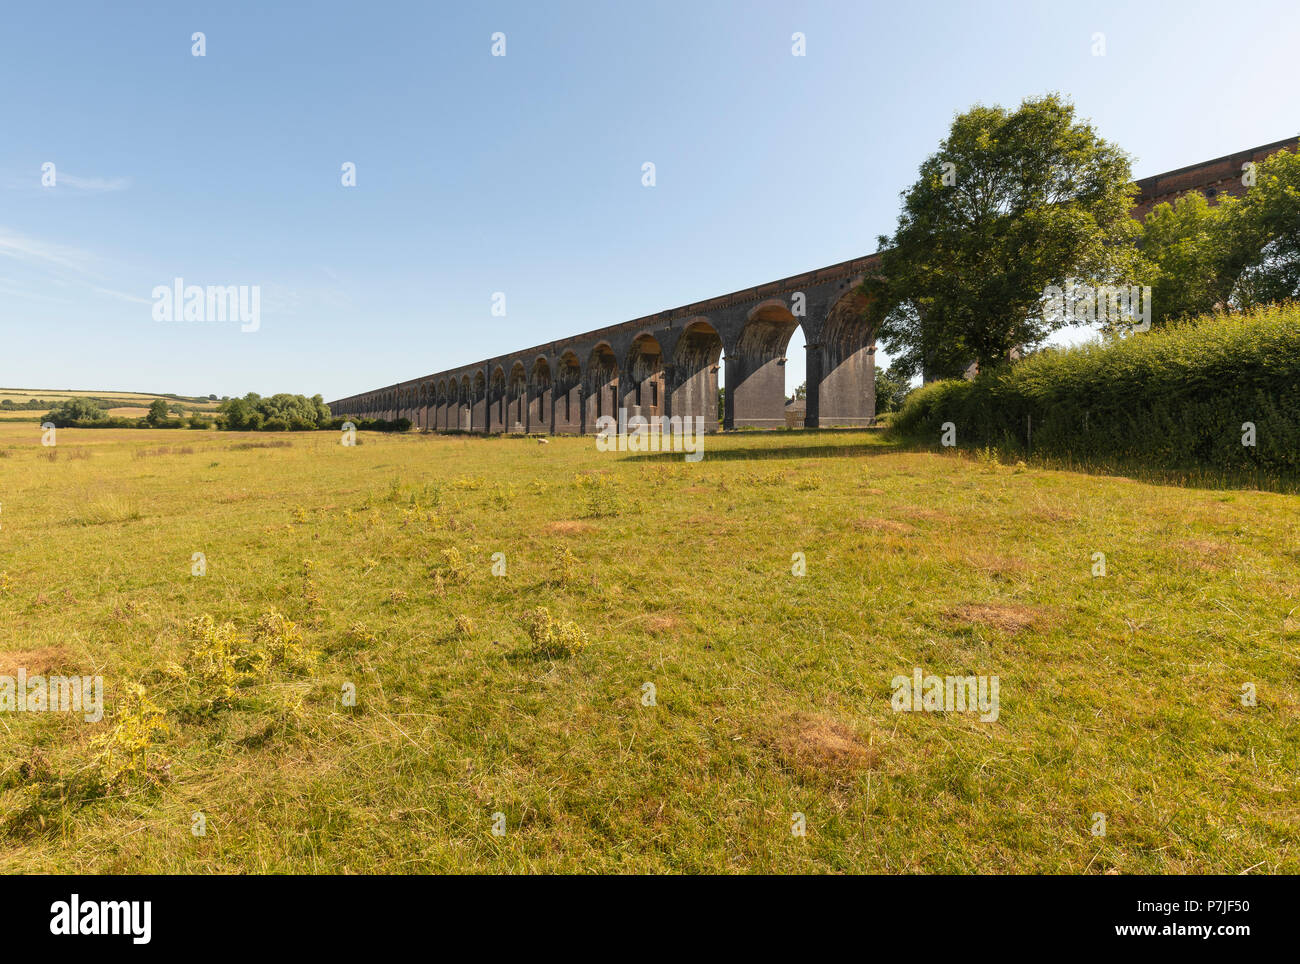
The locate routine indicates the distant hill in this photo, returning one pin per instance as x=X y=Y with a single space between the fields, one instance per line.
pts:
x=124 y=404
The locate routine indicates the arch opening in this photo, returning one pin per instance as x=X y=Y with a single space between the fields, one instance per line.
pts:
x=496 y=401
x=755 y=375
x=478 y=403
x=845 y=365
x=644 y=378
x=568 y=395
x=539 y=397
x=601 y=386
x=697 y=374
x=464 y=405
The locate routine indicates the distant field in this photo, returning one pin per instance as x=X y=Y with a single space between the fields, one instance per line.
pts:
x=128 y=404
x=1119 y=695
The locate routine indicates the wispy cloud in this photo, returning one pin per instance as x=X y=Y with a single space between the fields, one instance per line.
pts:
x=54 y=267
x=92 y=184
x=63 y=181
x=122 y=295
x=45 y=254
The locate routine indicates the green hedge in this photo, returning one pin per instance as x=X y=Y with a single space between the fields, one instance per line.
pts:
x=1174 y=397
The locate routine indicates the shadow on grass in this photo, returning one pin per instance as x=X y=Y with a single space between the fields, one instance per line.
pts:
x=1186 y=477
x=1207 y=478
x=878 y=445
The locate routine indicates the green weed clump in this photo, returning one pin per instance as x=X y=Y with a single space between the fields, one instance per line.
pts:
x=554 y=637
x=454 y=566
x=600 y=494
x=564 y=566
x=224 y=659
x=128 y=753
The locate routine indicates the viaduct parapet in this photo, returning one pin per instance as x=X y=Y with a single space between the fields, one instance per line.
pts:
x=667 y=363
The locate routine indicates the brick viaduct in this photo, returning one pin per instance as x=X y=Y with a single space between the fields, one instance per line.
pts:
x=667 y=363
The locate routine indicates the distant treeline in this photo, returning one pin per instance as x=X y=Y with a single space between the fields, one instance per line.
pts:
x=252 y=413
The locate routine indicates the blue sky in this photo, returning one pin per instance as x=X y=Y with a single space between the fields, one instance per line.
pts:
x=520 y=174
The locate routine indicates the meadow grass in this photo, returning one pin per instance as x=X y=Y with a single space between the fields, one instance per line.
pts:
x=1119 y=695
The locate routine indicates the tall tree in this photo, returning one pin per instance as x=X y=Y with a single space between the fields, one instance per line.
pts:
x=1011 y=203
x=1186 y=246
x=1237 y=253
x=1263 y=235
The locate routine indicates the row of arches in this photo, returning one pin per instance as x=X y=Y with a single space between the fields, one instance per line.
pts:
x=564 y=395
x=567 y=392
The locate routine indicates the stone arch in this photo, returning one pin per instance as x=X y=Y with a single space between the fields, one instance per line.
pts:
x=600 y=386
x=755 y=370
x=842 y=368
x=643 y=377
x=464 y=404
x=539 y=396
x=568 y=394
x=478 y=402
x=517 y=393
x=496 y=402
x=694 y=375
x=440 y=405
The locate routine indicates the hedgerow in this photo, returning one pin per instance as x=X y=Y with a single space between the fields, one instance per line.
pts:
x=1181 y=397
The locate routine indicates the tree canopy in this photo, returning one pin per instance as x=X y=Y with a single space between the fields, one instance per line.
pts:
x=282 y=411
x=1011 y=203
x=1237 y=254
x=75 y=411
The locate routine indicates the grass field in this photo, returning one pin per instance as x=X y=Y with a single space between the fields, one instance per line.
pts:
x=1119 y=695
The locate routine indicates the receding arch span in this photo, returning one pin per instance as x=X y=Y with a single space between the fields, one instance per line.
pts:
x=842 y=370
x=695 y=373
x=496 y=400
x=568 y=394
x=464 y=404
x=644 y=377
x=539 y=396
x=478 y=403
x=601 y=385
x=440 y=405
x=517 y=393
x=756 y=367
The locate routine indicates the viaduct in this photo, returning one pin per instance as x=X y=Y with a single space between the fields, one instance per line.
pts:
x=667 y=363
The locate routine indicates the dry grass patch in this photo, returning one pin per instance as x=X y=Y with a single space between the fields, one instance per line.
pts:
x=1006 y=617
x=815 y=745
x=570 y=527
x=35 y=661
x=923 y=514
x=882 y=525
x=996 y=566
x=1204 y=554
x=660 y=625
